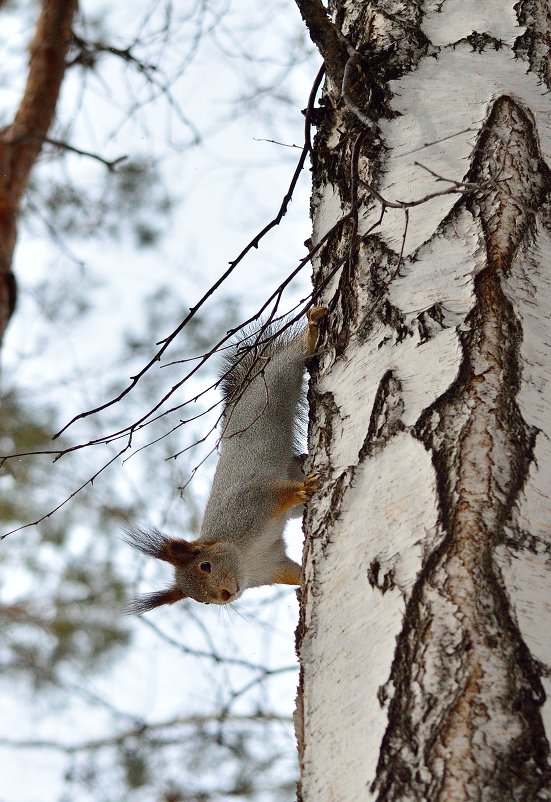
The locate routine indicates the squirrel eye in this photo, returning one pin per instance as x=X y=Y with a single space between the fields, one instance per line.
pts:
x=205 y=567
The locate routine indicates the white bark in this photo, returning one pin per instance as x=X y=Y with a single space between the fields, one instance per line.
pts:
x=425 y=634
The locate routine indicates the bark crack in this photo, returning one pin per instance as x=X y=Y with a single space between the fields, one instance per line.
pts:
x=449 y=748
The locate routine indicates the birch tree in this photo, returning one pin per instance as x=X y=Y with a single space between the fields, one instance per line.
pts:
x=424 y=632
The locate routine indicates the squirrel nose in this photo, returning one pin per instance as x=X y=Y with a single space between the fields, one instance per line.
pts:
x=231 y=589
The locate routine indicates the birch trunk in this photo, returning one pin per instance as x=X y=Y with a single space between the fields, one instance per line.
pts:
x=425 y=632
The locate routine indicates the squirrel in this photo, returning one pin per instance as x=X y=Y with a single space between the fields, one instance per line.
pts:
x=258 y=482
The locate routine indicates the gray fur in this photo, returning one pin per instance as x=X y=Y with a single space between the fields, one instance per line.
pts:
x=263 y=394
x=241 y=542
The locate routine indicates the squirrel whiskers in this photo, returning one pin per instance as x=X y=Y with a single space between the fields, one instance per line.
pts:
x=258 y=483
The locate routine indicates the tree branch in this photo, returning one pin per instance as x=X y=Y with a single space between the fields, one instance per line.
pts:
x=58 y=143
x=89 y=52
x=326 y=38
x=233 y=264
x=142 y=730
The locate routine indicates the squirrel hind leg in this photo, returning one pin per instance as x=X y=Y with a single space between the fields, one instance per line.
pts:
x=314 y=315
x=287 y=573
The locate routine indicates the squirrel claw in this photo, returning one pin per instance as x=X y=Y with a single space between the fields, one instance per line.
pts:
x=310 y=485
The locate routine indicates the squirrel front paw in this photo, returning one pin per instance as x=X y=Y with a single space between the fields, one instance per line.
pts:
x=291 y=494
x=309 y=486
x=314 y=315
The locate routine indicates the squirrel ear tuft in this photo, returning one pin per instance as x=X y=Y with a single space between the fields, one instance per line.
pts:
x=153 y=543
x=149 y=601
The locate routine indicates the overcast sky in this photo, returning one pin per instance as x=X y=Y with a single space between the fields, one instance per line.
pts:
x=227 y=187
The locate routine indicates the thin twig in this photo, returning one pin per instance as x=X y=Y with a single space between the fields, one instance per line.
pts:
x=214 y=656
x=275 y=142
x=352 y=65
x=142 y=730
x=110 y=164
x=89 y=481
x=58 y=143
x=435 y=142
x=193 y=310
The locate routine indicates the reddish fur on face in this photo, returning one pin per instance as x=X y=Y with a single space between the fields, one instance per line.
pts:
x=179 y=552
x=184 y=555
x=155 y=544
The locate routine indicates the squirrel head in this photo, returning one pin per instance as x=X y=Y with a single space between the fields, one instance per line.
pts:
x=206 y=572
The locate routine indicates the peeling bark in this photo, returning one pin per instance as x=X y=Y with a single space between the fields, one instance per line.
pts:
x=21 y=141
x=424 y=671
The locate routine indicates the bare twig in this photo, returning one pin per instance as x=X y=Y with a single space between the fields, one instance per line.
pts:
x=111 y=165
x=89 y=51
x=89 y=481
x=352 y=65
x=193 y=310
x=142 y=730
x=457 y=189
x=212 y=655
x=275 y=142
x=435 y=142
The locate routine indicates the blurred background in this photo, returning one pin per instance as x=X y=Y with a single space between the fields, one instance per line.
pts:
x=203 y=100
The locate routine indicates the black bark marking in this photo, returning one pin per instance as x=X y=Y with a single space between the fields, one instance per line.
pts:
x=430 y=322
x=386 y=415
x=383 y=580
x=533 y=44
